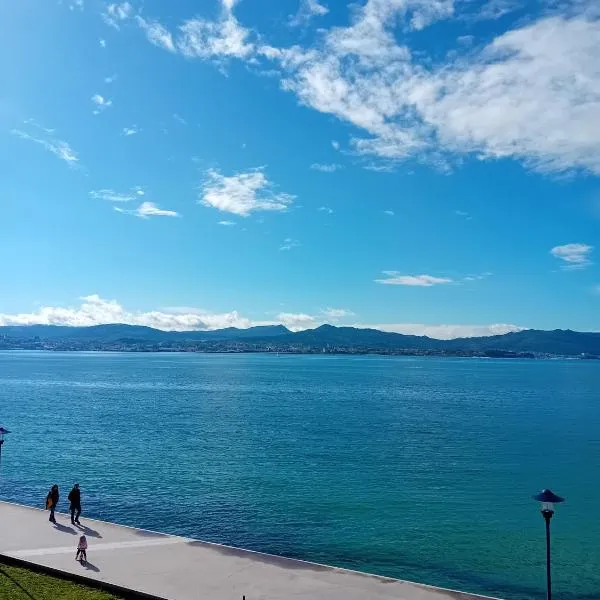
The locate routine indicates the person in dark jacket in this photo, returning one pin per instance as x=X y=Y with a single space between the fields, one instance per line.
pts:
x=75 y=500
x=52 y=501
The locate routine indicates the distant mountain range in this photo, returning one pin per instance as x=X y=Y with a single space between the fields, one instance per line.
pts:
x=116 y=333
x=277 y=337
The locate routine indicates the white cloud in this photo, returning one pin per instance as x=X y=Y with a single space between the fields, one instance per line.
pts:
x=297 y=321
x=117 y=12
x=289 y=243
x=229 y=4
x=243 y=193
x=335 y=144
x=102 y=43
x=95 y=310
x=574 y=256
x=202 y=38
x=446 y=332
x=494 y=9
x=127 y=131
x=516 y=98
x=326 y=168
x=478 y=276
x=531 y=94
x=307 y=10
x=110 y=79
x=101 y=103
x=337 y=313
x=112 y=196
x=395 y=278
x=157 y=34
x=59 y=148
x=214 y=39
x=227 y=223
x=462 y=213
x=325 y=209
x=148 y=209
x=179 y=119
x=389 y=213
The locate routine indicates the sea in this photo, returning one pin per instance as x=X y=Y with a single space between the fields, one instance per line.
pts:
x=417 y=468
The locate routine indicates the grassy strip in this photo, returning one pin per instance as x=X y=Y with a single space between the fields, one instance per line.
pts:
x=17 y=583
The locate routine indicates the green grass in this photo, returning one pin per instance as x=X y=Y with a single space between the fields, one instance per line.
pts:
x=17 y=583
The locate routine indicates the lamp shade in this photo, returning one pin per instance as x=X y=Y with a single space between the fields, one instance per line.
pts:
x=548 y=496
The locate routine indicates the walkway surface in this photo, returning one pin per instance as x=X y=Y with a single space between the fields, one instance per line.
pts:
x=177 y=568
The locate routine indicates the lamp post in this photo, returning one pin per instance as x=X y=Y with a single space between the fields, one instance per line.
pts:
x=3 y=432
x=548 y=499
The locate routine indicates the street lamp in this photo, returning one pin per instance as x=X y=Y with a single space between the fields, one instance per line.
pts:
x=548 y=499
x=3 y=432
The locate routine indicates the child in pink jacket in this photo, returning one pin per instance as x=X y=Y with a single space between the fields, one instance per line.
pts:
x=81 y=549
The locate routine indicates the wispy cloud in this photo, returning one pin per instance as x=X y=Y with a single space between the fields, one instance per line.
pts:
x=116 y=13
x=463 y=214
x=297 y=321
x=335 y=144
x=157 y=34
x=573 y=256
x=148 y=209
x=33 y=123
x=179 y=119
x=101 y=103
x=227 y=223
x=243 y=193
x=395 y=278
x=445 y=332
x=112 y=196
x=300 y=320
x=59 y=148
x=289 y=244
x=307 y=10
x=110 y=79
x=478 y=276
x=326 y=168
x=202 y=38
x=127 y=131
x=102 y=43
x=494 y=9
x=325 y=209
x=389 y=213
x=337 y=313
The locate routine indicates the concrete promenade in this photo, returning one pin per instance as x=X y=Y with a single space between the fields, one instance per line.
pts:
x=177 y=568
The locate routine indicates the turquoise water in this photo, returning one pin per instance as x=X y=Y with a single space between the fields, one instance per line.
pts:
x=419 y=468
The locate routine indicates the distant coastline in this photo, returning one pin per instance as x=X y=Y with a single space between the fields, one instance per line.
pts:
x=327 y=339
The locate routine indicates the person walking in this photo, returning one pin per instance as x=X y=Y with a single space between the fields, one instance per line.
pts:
x=75 y=500
x=52 y=502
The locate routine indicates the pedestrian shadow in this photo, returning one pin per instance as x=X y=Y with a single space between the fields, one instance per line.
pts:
x=17 y=584
x=90 y=567
x=64 y=529
x=88 y=531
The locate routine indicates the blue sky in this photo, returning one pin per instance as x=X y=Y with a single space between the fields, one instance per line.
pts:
x=425 y=166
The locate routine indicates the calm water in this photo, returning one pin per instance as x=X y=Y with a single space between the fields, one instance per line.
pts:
x=414 y=468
